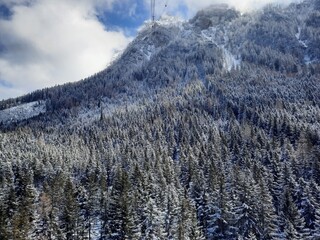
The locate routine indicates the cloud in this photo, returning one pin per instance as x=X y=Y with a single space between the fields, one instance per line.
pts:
x=49 y=42
x=188 y=8
x=6 y=93
x=245 y=5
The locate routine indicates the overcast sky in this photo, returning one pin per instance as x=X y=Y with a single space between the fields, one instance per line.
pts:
x=49 y=42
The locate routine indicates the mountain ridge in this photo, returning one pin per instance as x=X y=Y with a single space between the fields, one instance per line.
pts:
x=291 y=51
x=192 y=133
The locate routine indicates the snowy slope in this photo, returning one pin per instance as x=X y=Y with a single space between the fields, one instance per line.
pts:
x=22 y=112
x=230 y=61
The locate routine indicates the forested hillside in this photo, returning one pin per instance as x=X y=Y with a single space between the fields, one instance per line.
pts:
x=206 y=129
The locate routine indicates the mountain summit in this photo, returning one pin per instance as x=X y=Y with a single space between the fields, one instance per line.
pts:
x=200 y=129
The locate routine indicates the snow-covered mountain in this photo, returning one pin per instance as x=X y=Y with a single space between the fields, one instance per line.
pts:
x=216 y=41
x=200 y=129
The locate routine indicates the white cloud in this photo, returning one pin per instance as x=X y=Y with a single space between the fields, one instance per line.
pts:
x=8 y=93
x=51 y=42
x=133 y=10
x=244 y=5
x=190 y=7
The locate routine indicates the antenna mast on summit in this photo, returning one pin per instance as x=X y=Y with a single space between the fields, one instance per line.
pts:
x=153 y=9
x=153 y=6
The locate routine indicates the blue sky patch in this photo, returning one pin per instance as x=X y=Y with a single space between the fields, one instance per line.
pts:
x=5 y=84
x=126 y=17
x=5 y=12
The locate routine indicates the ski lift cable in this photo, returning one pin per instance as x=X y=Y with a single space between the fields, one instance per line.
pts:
x=164 y=8
x=153 y=11
x=153 y=5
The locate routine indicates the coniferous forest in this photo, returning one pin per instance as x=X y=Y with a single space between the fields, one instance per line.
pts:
x=206 y=129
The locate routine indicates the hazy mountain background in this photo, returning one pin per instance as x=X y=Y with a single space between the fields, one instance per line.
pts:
x=199 y=129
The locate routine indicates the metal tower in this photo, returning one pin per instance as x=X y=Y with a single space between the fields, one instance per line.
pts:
x=153 y=6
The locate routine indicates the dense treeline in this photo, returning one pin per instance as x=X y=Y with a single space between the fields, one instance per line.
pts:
x=208 y=164
x=168 y=143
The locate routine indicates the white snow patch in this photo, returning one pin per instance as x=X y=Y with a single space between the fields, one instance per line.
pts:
x=307 y=60
x=209 y=34
x=230 y=61
x=22 y=112
x=148 y=51
x=168 y=21
x=165 y=20
x=186 y=33
x=298 y=35
x=303 y=43
x=206 y=36
x=96 y=229
x=87 y=116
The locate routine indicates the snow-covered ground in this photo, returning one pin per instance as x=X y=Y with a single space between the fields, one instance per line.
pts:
x=298 y=36
x=230 y=61
x=165 y=20
x=307 y=58
x=148 y=51
x=23 y=111
x=149 y=48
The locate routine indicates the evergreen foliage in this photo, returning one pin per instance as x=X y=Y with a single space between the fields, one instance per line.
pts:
x=176 y=146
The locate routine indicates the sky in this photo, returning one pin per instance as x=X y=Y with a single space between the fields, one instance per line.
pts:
x=44 y=43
